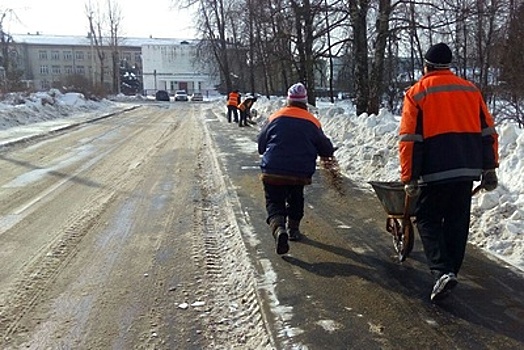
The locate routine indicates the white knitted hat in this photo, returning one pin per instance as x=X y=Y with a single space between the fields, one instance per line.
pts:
x=297 y=93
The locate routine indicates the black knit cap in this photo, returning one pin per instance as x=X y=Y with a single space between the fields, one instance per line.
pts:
x=438 y=56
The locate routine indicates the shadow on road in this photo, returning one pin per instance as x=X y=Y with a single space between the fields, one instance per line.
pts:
x=55 y=173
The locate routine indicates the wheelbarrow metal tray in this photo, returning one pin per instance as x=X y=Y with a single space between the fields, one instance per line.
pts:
x=392 y=196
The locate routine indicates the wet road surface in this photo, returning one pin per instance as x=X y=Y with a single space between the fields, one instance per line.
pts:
x=342 y=287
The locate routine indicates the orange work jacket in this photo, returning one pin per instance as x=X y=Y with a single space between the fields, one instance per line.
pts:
x=446 y=131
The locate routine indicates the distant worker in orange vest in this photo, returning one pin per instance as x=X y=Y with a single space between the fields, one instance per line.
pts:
x=447 y=141
x=233 y=100
x=245 y=109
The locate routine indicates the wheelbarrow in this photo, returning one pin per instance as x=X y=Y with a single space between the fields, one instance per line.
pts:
x=399 y=208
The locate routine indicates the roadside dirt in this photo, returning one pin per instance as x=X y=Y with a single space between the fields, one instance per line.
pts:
x=118 y=235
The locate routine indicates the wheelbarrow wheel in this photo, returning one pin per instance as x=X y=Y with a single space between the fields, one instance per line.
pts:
x=405 y=240
x=403 y=236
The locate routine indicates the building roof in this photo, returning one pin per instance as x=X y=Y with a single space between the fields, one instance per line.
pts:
x=71 y=40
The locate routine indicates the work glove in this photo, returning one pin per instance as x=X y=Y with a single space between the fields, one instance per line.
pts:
x=489 y=180
x=412 y=188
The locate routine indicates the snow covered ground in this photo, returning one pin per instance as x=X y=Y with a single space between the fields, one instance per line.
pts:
x=367 y=152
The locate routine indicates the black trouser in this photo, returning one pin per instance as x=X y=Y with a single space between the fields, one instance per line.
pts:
x=442 y=216
x=284 y=200
x=232 y=110
x=243 y=118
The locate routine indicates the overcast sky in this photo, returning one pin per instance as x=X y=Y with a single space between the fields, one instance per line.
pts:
x=141 y=18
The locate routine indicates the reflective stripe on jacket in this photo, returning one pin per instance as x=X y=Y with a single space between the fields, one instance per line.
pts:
x=233 y=99
x=290 y=143
x=446 y=131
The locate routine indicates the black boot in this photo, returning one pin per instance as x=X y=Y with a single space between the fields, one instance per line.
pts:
x=277 y=224
x=293 y=230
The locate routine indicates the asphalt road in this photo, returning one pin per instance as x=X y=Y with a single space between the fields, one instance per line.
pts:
x=342 y=287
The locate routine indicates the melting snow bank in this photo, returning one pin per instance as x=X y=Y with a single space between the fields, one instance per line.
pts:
x=18 y=110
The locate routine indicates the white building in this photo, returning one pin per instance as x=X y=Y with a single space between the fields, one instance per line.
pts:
x=163 y=64
x=172 y=66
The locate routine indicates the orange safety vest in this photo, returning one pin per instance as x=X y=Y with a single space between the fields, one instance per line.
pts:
x=232 y=99
x=446 y=131
x=246 y=104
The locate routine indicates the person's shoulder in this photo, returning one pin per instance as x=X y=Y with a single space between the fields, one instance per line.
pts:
x=465 y=81
x=432 y=79
x=417 y=86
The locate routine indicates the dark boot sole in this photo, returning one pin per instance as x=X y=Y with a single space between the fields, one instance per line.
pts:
x=282 y=243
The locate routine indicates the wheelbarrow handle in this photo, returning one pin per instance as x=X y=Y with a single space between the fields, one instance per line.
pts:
x=407 y=203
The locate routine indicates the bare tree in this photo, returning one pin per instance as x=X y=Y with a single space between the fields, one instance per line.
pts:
x=97 y=42
x=273 y=43
x=114 y=18
x=11 y=75
x=512 y=68
x=376 y=83
x=104 y=29
x=335 y=21
x=5 y=42
x=359 y=11
x=213 y=19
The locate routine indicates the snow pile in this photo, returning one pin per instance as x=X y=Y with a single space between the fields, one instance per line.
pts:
x=18 y=109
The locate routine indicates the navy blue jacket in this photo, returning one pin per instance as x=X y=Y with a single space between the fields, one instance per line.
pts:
x=290 y=143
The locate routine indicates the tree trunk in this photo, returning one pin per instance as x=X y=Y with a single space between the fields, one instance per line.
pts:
x=359 y=11
x=377 y=73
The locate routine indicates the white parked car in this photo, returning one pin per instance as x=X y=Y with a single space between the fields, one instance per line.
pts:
x=181 y=95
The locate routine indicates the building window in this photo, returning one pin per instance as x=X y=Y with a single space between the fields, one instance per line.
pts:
x=55 y=55
x=68 y=70
x=68 y=55
x=79 y=55
x=127 y=56
x=80 y=70
x=42 y=54
x=45 y=84
x=56 y=70
x=44 y=70
x=138 y=57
